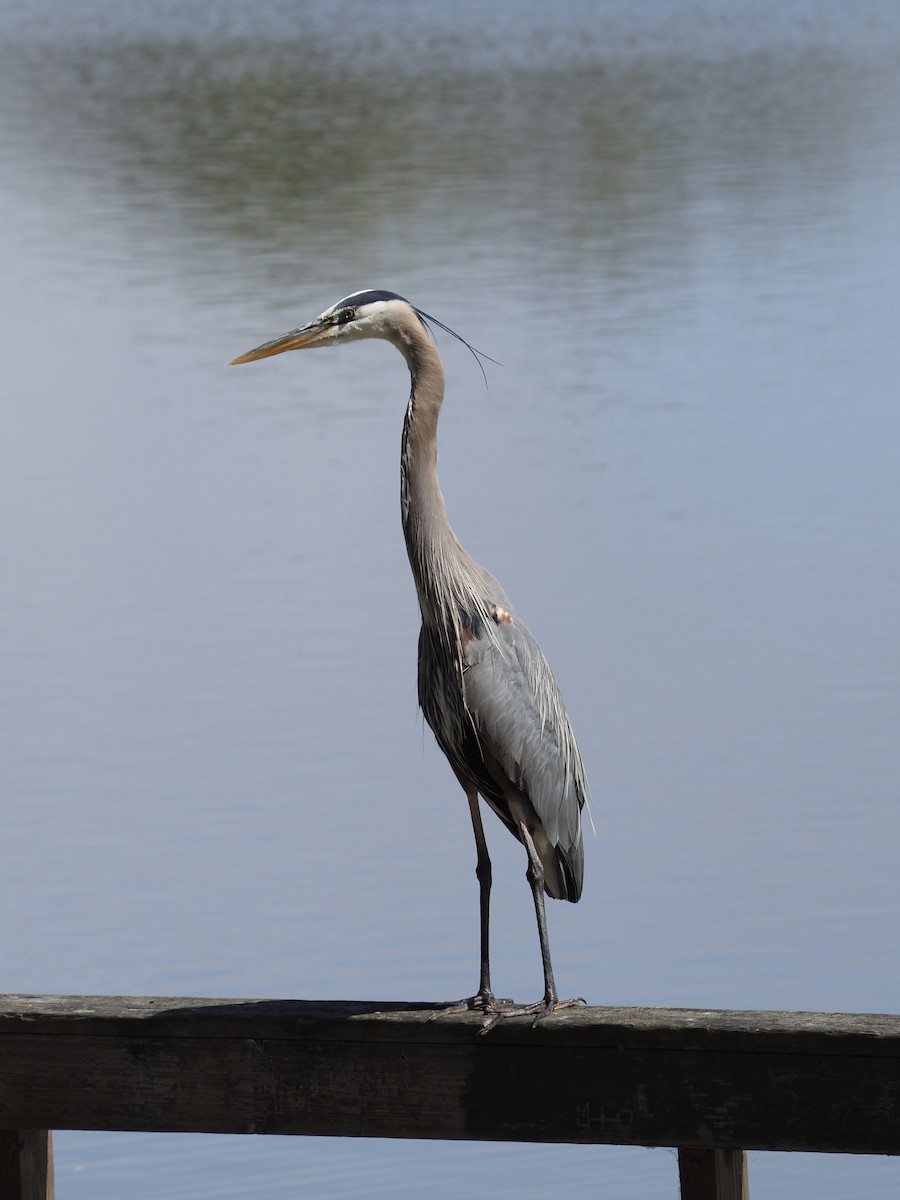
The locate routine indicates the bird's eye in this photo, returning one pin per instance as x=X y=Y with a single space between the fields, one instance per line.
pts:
x=345 y=315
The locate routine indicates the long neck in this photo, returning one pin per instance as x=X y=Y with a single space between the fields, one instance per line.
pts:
x=434 y=553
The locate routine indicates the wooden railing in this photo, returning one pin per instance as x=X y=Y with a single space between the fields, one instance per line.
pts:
x=713 y=1084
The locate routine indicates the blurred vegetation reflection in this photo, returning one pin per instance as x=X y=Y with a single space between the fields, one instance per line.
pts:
x=291 y=141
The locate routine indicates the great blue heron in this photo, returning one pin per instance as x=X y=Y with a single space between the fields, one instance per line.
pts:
x=484 y=685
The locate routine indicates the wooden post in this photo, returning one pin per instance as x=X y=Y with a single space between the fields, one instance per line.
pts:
x=713 y=1174
x=26 y=1164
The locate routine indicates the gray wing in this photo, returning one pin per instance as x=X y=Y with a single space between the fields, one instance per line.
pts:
x=522 y=727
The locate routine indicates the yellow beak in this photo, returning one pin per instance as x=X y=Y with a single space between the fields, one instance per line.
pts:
x=316 y=331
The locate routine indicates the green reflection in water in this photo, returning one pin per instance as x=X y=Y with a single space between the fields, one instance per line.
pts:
x=290 y=145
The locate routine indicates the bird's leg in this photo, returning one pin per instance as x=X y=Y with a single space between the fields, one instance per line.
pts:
x=535 y=876
x=485 y=997
x=483 y=1000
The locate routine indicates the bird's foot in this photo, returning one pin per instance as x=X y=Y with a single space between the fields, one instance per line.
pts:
x=538 y=1011
x=481 y=1002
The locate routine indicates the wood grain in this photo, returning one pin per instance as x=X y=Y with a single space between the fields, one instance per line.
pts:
x=26 y=1164
x=649 y=1077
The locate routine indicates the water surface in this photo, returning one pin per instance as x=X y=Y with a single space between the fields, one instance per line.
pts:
x=678 y=231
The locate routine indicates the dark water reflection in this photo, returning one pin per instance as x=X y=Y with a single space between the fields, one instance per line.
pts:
x=677 y=229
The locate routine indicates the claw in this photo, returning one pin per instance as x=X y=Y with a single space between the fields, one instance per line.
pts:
x=539 y=1010
x=484 y=1002
x=497 y=1010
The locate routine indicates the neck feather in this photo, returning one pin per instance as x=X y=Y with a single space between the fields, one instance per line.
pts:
x=439 y=564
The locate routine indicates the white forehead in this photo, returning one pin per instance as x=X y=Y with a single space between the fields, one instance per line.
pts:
x=372 y=308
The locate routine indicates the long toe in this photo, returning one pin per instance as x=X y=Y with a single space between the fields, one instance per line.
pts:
x=481 y=1002
x=538 y=1011
x=555 y=1006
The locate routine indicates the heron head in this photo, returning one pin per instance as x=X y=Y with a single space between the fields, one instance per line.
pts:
x=368 y=314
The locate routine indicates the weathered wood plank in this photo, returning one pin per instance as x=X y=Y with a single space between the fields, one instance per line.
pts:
x=26 y=1164
x=713 y=1174
x=680 y=1028
x=712 y=1080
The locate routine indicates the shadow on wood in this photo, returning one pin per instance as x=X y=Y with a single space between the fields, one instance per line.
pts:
x=645 y=1077
x=708 y=1081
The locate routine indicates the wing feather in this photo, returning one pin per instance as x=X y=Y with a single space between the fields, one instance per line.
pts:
x=522 y=724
